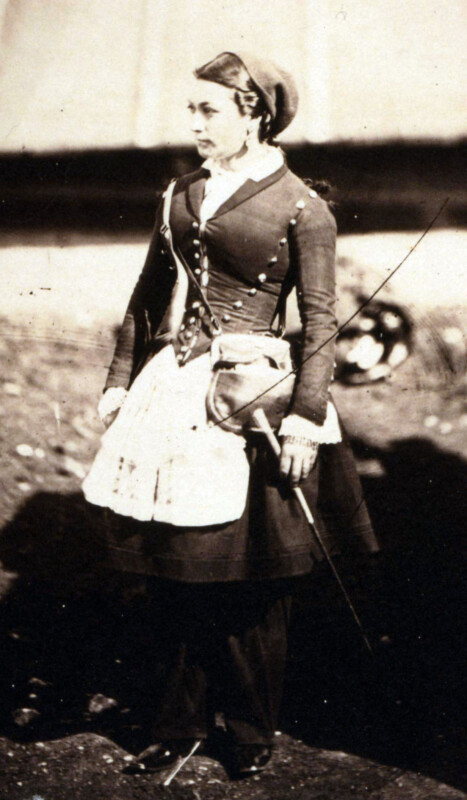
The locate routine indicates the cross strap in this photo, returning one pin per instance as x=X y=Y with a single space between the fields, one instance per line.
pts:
x=180 y=264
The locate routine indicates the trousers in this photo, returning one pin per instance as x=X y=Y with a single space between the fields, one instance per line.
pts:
x=225 y=648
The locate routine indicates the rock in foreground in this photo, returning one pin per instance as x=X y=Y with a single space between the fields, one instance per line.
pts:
x=89 y=767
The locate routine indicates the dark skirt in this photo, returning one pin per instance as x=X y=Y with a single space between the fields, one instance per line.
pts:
x=272 y=538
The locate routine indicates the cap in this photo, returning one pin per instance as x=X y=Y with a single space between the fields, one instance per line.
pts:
x=275 y=86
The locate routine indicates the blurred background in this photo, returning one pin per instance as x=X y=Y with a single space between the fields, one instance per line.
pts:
x=93 y=124
x=92 y=127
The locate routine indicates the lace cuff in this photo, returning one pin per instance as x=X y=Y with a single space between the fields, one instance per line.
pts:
x=111 y=401
x=302 y=440
x=328 y=433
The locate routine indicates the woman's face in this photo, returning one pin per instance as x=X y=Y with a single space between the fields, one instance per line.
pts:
x=216 y=121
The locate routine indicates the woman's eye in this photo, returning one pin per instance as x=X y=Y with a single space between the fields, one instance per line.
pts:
x=209 y=111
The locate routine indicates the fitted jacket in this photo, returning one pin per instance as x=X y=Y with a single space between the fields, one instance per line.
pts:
x=269 y=236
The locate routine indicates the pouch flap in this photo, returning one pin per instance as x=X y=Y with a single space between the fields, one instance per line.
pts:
x=244 y=348
x=233 y=397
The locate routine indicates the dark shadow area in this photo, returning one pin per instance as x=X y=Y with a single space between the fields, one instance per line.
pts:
x=74 y=637
x=74 y=633
x=407 y=705
x=390 y=186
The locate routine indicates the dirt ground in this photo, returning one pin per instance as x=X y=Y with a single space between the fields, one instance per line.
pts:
x=74 y=664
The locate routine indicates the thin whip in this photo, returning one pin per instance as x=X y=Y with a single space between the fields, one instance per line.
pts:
x=344 y=324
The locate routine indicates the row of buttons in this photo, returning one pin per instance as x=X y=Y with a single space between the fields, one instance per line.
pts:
x=189 y=330
x=262 y=277
x=202 y=272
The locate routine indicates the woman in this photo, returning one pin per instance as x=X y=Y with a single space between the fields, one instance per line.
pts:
x=214 y=520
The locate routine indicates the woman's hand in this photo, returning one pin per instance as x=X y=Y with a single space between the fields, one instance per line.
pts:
x=109 y=418
x=297 y=458
x=110 y=404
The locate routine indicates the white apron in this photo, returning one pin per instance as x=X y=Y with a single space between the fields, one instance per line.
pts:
x=161 y=460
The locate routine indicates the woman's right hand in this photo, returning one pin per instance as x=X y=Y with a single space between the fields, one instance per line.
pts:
x=109 y=418
x=110 y=404
x=297 y=459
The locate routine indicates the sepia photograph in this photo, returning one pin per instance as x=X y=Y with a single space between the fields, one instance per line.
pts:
x=233 y=410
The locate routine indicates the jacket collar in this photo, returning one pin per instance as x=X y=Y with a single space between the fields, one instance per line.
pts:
x=248 y=189
x=266 y=160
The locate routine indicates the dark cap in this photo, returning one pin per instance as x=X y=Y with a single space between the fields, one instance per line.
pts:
x=276 y=87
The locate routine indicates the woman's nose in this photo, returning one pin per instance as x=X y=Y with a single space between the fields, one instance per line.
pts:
x=197 y=123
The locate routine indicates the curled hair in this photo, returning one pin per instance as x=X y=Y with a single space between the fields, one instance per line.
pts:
x=228 y=70
x=321 y=187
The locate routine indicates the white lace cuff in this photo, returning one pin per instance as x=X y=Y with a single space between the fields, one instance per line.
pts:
x=111 y=401
x=328 y=433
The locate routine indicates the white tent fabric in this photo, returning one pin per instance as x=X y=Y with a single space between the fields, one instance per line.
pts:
x=80 y=74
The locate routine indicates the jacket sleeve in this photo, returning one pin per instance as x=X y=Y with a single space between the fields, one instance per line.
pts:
x=146 y=308
x=313 y=242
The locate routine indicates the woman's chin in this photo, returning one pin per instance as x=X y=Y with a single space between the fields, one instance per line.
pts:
x=205 y=149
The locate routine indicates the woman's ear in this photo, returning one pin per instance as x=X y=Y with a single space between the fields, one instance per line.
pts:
x=252 y=129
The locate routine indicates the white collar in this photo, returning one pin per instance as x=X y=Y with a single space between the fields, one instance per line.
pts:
x=269 y=162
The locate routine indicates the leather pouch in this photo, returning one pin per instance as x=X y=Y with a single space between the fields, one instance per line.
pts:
x=250 y=371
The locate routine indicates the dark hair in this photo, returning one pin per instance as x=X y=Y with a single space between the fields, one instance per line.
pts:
x=228 y=70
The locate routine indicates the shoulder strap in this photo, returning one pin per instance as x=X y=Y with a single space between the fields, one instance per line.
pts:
x=181 y=264
x=180 y=290
x=168 y=194
x=178 y=259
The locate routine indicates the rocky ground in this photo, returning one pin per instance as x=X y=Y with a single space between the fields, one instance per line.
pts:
x=73 y=638
x=89 y=767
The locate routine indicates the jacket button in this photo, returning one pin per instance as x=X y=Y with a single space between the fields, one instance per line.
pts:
x=252 y=291
x=195 y=225
x=196 y=242
x=283 y=241
x=192 y=321
x=237 y=304
x=300 y=204
x=293 y=221
x=197 y=256
x=313 y=193
x=197 y=271
x=226 y=318
x=196 y=304
x=261 y=277
x=183 y=349
x=272 y=261
x=188 y=334
x=182 y=327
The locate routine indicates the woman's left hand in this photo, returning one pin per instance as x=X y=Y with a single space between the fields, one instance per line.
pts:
x=297 y=458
